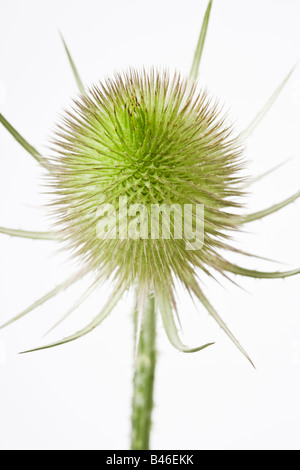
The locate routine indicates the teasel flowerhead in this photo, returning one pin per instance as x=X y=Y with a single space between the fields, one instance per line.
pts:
x=148 y=140
x=152 y=140
x=135 y=142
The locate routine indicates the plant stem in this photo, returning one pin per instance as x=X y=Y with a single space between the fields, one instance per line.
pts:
x=143 y=382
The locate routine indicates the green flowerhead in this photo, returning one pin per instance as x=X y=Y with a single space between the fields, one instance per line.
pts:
x=153 y=142
x=147 y=186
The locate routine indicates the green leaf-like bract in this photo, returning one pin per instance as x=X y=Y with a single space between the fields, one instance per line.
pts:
x=28 y=234
x=73 y=67
x=200 y=45
x=17 y=136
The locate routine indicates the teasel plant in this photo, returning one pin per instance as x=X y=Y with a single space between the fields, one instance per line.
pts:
x=155 y=138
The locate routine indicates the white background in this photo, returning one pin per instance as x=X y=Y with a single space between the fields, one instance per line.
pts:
x=78 y=396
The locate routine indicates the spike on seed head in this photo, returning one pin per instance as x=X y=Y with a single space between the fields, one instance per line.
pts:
x=154 y=140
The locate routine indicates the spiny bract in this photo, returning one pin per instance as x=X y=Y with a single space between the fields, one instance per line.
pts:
x=153 y=139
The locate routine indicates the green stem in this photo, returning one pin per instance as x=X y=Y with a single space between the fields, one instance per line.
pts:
x=143 y=382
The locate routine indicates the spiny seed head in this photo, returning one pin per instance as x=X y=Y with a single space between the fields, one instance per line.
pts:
x=153 y=139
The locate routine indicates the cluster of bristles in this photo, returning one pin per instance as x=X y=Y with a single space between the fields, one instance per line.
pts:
x=155 y=140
